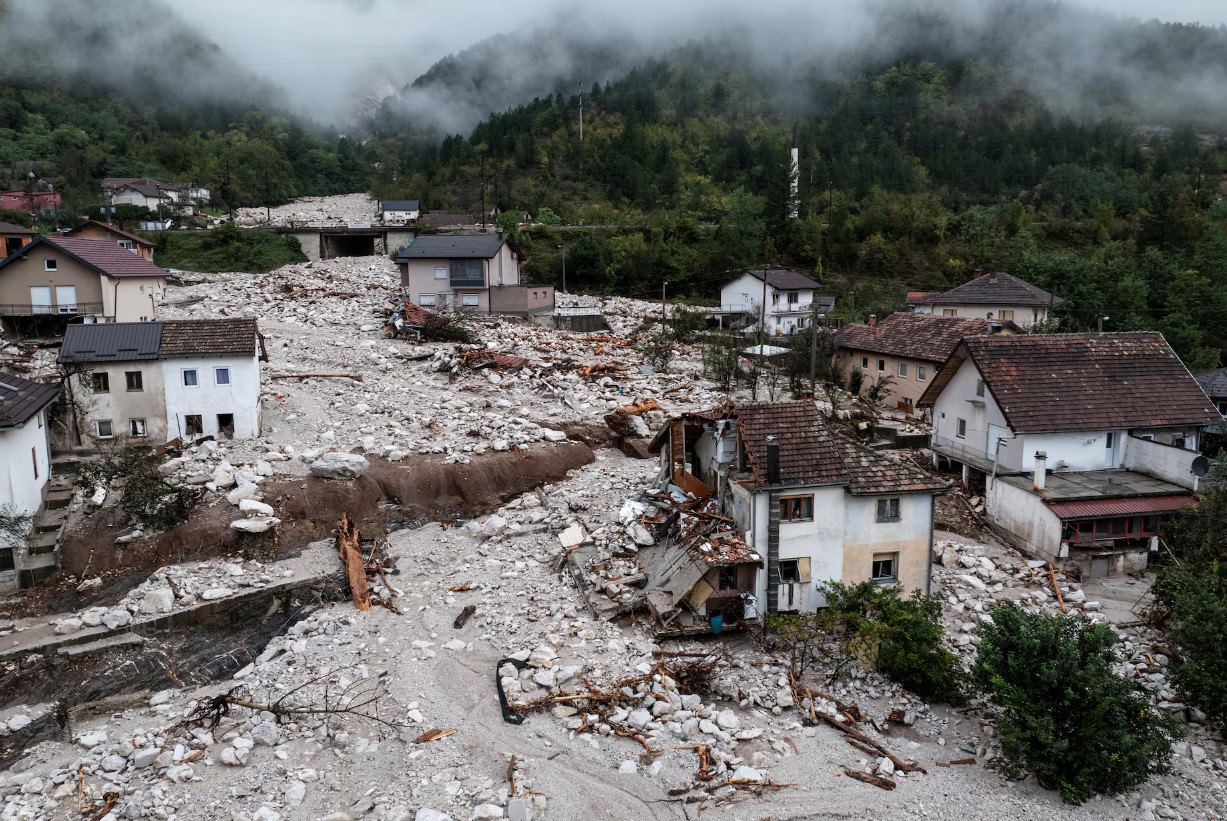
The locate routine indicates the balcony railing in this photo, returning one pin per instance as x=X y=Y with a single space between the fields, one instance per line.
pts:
x=960 y=450
x=14 y=309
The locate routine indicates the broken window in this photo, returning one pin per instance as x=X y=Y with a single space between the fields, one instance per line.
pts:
x=136 y=382
x=961 y=429
x=790 y=572
x=101 y=382
x=137 y=428
x=793 y=297
x=225 y=424
x=6 y=559
x=888 y=510
x=796 y=508
x=103 y=428
x=193 y=425
x=885 y=567
x=1007 y=316
x=727 y=579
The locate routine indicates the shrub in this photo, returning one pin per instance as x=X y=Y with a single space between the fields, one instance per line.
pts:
x=686 y=324
x=147 y=499
x=903 y=637
x=546 y=216
x=446 y=327
x=856 y=378
x=1066 y=717
x=657 y=349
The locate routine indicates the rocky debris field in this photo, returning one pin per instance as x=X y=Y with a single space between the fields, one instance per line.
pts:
x=312 y=210
x=394 y=713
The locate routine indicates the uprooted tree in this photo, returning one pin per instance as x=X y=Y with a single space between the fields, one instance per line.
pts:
x=147 y=498
x=1066 y=717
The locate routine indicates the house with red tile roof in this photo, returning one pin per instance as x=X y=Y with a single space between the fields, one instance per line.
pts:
x=905 y=350
x=93 y=229
x=71 y=278
x=996 y=296
x=810 y=505
x=1080 y=443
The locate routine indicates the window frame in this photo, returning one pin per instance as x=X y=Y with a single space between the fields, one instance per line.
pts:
x=950 y=311
x=960 y=428
x=138 y=381
x=465 y=303
x=195 y=383
x=800 y=508
x=441 y=272
x=218 y=370
x=881 y=366
x=891 y=559
x=920 y=373
x=903 y=370
x=98 y=434
x=888 y=509
x=864 y=363
x=133 y=425
x=980 y=389
x=100 y=382
x=1006 y=316
x=50 y=264
x=428 y=300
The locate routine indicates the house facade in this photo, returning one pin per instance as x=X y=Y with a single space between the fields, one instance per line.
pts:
x=13 y=237
x=148 y=383
x=30 y=202
x=25 y=463
x=477 y=273
x=71 y=277
x=905 y=350
x=399 y=212
x=996 y=296
x=813 y=506
x=789 y=297
x=92 y=229
x=180 y=197
x=1081 y=443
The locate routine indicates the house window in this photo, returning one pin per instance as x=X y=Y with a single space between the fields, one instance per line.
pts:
x=727 y=579
x=193 y=425
x=885 y=568
x=960 y=428
x=189 y=378
x=103 y=428
x=793 y=297
x=469 y=300
x=796 y=508
x=921 y=373
x=881 y=366
x=467 y=272
x=1007 y=316
x=907 y=401
x=979 y=387
x=903 y=369
x=6 y=559
x=790 y=572
x=775 y=298
x=440 y=272
x=126 y=244
x=225 y=424
x=888 y=510
x=221 y=376
x=426 y=299
x=135 y=381
x=137 y=428
x=950 y=312
x=50 y=265
x=864 y=363
x=100 y=382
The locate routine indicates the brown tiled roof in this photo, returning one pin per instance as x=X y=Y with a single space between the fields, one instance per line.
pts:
x=106 y=226
x=103 y=255
x=915 y=336
x=914 y=296
x=992 y=289
x=785 y=279
x=811 y=454
x=182 y=338
x=21 y=398
x=1068 y=382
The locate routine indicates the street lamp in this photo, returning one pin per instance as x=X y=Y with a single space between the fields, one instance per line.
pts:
x=564 y=267
x=1099 y=319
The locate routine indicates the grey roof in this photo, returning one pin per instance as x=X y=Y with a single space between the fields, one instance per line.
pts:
x=111 y=342
x=1214 y=383
x=21 y=398
x=785 y=279
x=992 y=289
x=399 y=205
x=8 y=229
x=440 y=246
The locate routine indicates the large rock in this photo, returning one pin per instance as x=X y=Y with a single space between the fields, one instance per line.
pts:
x=246 y=491
x=258 y=524
x=339 y=466
x=161 y=600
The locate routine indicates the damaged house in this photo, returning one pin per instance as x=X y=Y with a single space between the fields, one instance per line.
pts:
x=1082 y=444
x=778 y=503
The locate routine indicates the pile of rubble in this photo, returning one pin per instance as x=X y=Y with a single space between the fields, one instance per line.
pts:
x=340 y=208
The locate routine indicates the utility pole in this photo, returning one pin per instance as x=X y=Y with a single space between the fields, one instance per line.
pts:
x=813 y=350
x=663 y=285
x=762 y=319
x=564 y=267
x=483 y=192
x=1099 y=318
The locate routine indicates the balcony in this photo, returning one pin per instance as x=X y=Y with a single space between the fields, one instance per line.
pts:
x=959 y=449
x=14 y=309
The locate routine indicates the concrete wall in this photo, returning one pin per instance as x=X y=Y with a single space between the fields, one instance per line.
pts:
x=19 y=275
x=1084 y=450
x=910 y=537
x=240 y=398
x=952 y=405
x=1166 y=462
x=1024 y=520
x=132 y=299
x=120 y=405
x=21 y=484
x=1024 y=315
x=910 y=386
x=522 y=299
x=309 y=241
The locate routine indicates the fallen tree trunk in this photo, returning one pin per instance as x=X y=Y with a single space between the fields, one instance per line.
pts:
x=355 y=567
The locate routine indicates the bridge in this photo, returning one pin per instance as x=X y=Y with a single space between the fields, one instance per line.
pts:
x=328 y=240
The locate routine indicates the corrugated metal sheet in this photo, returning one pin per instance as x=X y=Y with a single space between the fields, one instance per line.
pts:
x=111 y=342
x=1137 y=505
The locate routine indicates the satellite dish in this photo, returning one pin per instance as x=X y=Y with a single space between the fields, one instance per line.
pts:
x=1201 y=466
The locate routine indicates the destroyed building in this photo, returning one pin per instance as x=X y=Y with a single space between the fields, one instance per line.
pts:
x=764 y=503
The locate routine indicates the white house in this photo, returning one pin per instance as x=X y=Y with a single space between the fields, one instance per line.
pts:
x=396 y=212
x=1080 y=443
x=151 y=382
x=996 y=296
x=25 y=456
x=790 y=297
x=813 y=506
x=474 y=273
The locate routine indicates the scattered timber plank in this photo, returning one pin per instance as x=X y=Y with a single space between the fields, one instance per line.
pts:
x=355 y=568
x=357 y=377
x=433 y=735
x=464 y=616
x=875 y=780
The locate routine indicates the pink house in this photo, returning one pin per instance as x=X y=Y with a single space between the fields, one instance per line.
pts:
x=31 y=202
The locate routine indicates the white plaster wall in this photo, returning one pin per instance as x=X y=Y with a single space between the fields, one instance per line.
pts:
x=952 y=404
x=504 y=268
x=136 y=299
x=1172 y=464
x=1085 y=450
x=820 y=540
x=1026 y=520
x=909 y=536
x=1024 y=315
x=121 y=405
x=18 y=485
x=241 y=397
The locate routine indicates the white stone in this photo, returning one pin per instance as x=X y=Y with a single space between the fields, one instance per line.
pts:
x=483 y=811
x=216 y=593
x=160 y=600
x=744 y=773
x=18 y=722
x=629 y=767
x=144 y=756
x=427 y=814
x=266 y=733
x=573 y=536
x=260 y=524
x=727 y=720
x=336 y=465
x=253 y=506
x=116 y=618
x=70 y=625
x=266 y=814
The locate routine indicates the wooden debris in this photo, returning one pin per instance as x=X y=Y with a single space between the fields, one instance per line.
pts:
x=355 y=568
x=511 y=775
x=959 y=761
x=433 y=735
x=357 y=377
x=875 y=780
x=460 y=588
x=109 y=800
x=1052 y=574
x=464 y=616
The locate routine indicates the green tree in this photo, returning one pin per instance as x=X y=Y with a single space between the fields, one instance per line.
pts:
x=1066 y=717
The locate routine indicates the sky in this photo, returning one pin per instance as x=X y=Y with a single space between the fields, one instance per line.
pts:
x=325 y=52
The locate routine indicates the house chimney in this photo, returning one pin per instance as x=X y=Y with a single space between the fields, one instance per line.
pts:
x=873 y=320
x=975 y=274
x=992 y=279
x=1041 y=471
x=773 y=461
